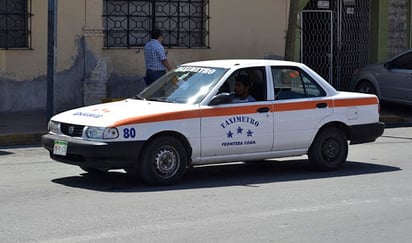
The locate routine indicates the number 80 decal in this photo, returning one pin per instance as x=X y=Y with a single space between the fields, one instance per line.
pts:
x=129 y=133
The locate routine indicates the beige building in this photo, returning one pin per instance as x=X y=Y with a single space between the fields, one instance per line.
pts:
x=99 y=44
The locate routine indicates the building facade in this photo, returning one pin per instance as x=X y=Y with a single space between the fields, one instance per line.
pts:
x=339 y=36
x=99 y=43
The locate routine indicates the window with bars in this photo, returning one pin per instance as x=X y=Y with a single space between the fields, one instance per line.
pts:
x=184 y=23
x=15 y=22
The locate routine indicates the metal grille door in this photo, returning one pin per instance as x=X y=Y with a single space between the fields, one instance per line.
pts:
x=317 y=41
x=352 y=39
x=335 y=38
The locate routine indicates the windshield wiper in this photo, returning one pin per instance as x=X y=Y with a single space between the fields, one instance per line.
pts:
x=160 y=99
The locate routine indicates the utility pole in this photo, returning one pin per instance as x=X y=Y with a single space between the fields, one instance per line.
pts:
x=290 y=46
x=51 y=55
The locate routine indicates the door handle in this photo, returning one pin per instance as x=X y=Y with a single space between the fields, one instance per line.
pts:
x=263 y=109
x=321 y=105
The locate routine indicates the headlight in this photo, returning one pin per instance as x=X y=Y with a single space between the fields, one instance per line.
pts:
x=101 y=132
x=110 y=133
x=54 y=127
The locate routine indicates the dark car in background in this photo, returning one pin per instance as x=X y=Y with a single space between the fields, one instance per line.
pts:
x=391 y=81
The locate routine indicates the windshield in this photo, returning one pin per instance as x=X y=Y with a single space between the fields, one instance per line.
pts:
x=186 y=85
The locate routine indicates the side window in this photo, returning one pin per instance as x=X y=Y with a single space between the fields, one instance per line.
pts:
x=403 y=62
x=257 y=79
x=290 y=83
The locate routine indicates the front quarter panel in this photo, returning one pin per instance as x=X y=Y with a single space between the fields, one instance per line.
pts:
x=369 y=74
x=144 y=131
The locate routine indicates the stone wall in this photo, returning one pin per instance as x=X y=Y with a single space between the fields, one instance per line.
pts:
x=398 y=33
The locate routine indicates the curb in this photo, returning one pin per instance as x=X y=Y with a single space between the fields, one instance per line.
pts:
x=388 y=119
x=21 y=139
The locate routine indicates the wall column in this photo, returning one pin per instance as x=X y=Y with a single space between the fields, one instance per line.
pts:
x=96 y=66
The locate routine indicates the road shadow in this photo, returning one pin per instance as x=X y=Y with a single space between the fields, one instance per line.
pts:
x=2 y=152
x=235 y=174
x=398 y=125
x=399 y=115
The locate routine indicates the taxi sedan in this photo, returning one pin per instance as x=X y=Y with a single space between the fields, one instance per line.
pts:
x=188 y=117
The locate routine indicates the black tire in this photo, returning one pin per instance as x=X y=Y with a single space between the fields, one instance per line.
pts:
x=95 y=171
x=329 y=150
x=366 y=87
x=164 y=161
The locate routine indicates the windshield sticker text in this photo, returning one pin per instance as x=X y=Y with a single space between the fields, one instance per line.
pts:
x=196 y=70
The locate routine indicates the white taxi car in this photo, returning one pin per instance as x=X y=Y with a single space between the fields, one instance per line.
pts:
x=187 y=118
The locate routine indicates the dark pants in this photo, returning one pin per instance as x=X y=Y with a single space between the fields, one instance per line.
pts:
x=153 y=75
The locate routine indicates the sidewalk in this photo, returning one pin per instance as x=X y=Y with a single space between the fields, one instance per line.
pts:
x=22 y=128
x=26 y=128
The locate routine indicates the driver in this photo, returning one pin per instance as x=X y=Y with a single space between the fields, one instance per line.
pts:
x=242 y=89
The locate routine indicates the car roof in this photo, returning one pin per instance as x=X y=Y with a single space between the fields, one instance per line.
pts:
x=230 y=63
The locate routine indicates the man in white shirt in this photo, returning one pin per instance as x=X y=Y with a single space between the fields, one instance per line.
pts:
x=155 y=58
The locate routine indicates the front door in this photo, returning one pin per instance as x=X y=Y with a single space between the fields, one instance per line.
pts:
x=396 y=82
x=239 y=128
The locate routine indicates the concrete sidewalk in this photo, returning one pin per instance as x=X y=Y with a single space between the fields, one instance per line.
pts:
x=26 y=128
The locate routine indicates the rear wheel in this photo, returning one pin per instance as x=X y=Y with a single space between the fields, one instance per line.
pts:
x=366 y=87
x=164 y=161
x=329 y=150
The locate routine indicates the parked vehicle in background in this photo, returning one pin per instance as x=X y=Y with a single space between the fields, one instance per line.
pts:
x=390 y=81
x=188 y=118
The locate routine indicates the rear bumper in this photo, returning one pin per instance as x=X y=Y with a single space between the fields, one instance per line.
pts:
x=366 y=132
x=110 y=155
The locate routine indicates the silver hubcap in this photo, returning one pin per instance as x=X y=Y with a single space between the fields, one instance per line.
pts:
x=167 y=162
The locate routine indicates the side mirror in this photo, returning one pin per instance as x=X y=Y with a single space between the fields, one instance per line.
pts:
x=222 y=98
x=388 y=65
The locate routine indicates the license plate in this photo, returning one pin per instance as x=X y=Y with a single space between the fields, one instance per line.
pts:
x=60 y=148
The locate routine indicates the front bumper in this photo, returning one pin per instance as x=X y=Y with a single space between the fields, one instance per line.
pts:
x=93 y=154
x=366 y=133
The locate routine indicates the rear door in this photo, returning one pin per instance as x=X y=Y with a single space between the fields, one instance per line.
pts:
x=300 y=105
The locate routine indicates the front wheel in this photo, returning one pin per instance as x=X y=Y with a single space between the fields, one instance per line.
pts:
x=366 y=87
x=164 y=161
x=329 y=150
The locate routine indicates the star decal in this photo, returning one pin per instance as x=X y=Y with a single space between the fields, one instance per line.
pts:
x=249 y=133
x=230 y=134
x=239 y=130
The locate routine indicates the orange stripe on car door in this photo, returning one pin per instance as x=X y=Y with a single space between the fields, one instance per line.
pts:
x=242 y=110
x=307 y=105
x=303 y=105
x=190 y=114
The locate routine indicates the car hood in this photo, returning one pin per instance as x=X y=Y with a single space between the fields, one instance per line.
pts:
x=116 y=113
x=372 y=67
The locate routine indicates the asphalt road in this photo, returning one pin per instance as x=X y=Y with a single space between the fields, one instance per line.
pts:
x=369 y=200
